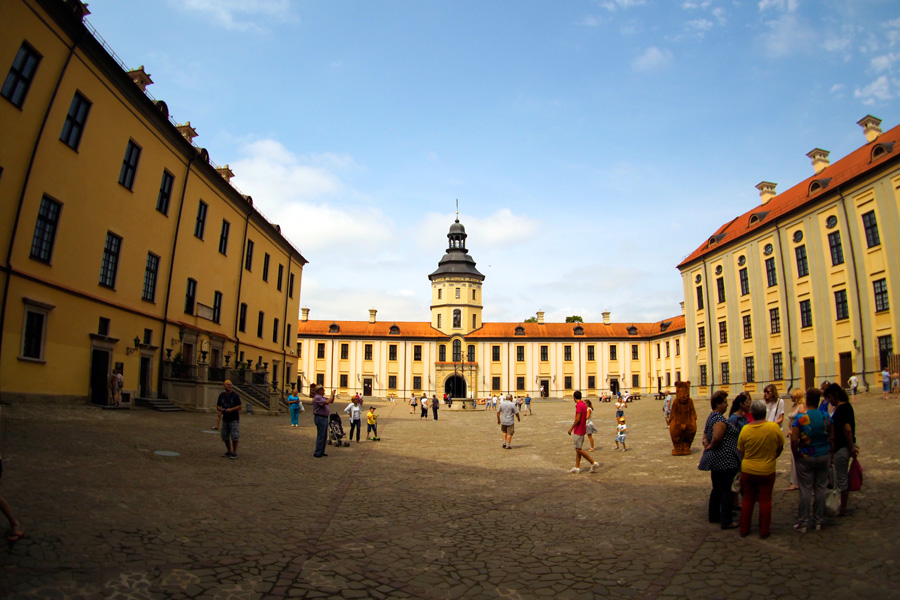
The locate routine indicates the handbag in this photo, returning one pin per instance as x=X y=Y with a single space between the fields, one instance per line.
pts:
x=736 y=483
x=832 y=498
x=855 y=476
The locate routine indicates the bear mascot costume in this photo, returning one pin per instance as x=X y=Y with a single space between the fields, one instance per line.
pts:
x=683 y=420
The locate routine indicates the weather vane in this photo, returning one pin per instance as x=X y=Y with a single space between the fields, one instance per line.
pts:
x=457 y=209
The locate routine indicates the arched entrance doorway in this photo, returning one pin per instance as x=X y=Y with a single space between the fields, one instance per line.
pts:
x=455 y=386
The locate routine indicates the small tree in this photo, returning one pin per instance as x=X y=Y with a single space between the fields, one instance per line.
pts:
x=530 y=320
x=574 y=319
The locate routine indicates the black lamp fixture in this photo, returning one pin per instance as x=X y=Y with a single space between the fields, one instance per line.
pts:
x=137 y=345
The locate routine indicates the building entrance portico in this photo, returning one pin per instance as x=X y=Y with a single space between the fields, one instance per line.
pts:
x=455 y=386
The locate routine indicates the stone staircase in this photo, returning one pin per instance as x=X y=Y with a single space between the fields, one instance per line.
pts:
x=160 y=404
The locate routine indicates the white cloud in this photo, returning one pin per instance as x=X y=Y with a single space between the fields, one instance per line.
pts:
x=877 y=91
x=614 y=5
x=836 y=88
x=787 y=35
x=653 y=59
x=503 y=228
x=700 y=25
x=885 y=62
x=779 y=5
x=590 y=21
x=239 y=15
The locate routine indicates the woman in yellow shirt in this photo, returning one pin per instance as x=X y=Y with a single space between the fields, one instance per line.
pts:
x=759 y=445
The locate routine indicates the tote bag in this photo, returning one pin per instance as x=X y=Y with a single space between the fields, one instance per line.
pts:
x=855 y=476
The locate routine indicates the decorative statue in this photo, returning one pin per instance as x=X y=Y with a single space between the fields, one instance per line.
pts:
x=683 y=420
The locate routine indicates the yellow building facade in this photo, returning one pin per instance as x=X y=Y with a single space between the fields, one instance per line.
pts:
x=458 y=354
x=124 y=246
x=798 y=289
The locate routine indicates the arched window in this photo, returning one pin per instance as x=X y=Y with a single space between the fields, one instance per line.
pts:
x=457 y=318
x=457 y=351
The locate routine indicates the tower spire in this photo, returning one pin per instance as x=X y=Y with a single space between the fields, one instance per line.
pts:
x=457 y=210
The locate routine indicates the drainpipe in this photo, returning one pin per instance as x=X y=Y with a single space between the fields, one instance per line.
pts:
x=862 y=331
x=787 y=313
x=25 y=182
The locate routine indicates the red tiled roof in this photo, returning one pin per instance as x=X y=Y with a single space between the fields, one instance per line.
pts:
x=407 y=329
x=853 y=165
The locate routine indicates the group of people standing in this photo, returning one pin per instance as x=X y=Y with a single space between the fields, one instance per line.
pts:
x=424 y=403
x=741 y=453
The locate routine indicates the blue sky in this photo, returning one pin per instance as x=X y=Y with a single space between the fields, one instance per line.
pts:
x=591 y=145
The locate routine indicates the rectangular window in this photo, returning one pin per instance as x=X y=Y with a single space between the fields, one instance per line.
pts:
x=613 y=352
x=20 y=75
x=217 y=307
x=677 y=347
x=45 y=230
x=590 y=352
x=771 y=274
x=837 y=250
x=33 y=333
x=805 y=313
x=110 y=264
x=417 y=383
x=471 y=356
x=248 y=259
x=151 y=271
x=392 y=382
x=266 y=267
x=320 y=378
x=726 y=375
x=881 y=295
x=260 y=321
x=392 y=352
x=567 y=353
x=190 y=296
x=280 y=277
x=802 y=262
x=223 y=237
x=701 y=337
x=367 y=352
x=841 y=310
x=344 y=379
x=636 y=381
x=658 y=350
x=699 y=297
x=592 y=382
x=275 y=331
x=667 y=350
x=774 y=320
x=520 y=353
x=749 y=369
x=165 y=192
x=200 y=223
x=745 y=281
x=568 y=382
x=885 y=349
x=720 y=289
x=457 y=293
x=723 y=332
x=668 y=379
x=748 y=328
x=634 y=352
x=703 y=375
x=417 y=353
x=299 y=349
x=545 y=353
x=777 y=367
x=242 y=319
x=520 y=384
x=870 y=224
x=291 y=285
x=495 y=353
x=440 y=294
x=345 y=351
x=75 y=120
x=129 y=164
x=442 y=353
x=495 y=383
x=439 y=321
x=474 y=321
x=320 y=350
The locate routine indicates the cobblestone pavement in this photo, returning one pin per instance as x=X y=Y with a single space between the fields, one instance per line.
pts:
x=435 y=510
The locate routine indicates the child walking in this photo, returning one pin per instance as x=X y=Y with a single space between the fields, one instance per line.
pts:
x=590 y=430
x=371 y=426
x=621 y=428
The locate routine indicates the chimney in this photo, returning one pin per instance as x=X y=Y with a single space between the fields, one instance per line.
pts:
x=819 y=159
x=372 y=312
x=682 y=307
x=766 y=191
x=605 y=314
x=187 y=131
x=871 y=127
x=225 y=172
x=540 y=317
x=140 y=77
x=304 y=314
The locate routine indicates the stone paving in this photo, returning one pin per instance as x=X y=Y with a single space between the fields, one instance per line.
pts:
x=436 y=510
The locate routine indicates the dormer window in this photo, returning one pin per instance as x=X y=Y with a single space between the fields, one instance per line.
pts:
x=632 y=330
x=664 y=325
x=579 y=330
x=395 y=330
x=881 y=149
x=334 y=328
x=757 y=217
x=818 y=184
x=520 y=330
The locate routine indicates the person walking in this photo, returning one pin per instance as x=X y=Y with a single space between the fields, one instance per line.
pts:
x=321 y=413
x=853 y=382
x=435 y=405
x=229 y=405
x=590 y=430
x=812 y=439
x=885 y=383
x=528 y=404
x=507 y=415
x=294 y=407
x=760 y=443
x=578 y=428
x=354 y=409
x=372 y=425
x=423 y=406
x=412 y=404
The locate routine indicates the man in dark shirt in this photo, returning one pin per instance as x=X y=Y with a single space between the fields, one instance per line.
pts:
x=229 y=406
x=320 y=417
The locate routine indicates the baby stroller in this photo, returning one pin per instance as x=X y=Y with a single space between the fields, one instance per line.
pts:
x=336 y=431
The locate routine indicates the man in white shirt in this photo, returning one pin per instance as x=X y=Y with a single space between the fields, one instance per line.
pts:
x=507 y=414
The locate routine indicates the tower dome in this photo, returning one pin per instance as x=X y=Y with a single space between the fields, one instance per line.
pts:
x=456 y=261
